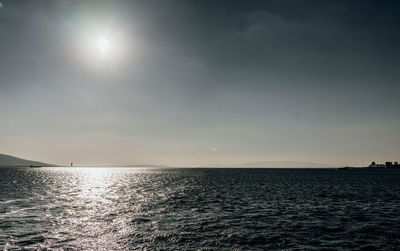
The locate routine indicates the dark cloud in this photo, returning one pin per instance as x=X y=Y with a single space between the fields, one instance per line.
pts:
x=298 y=42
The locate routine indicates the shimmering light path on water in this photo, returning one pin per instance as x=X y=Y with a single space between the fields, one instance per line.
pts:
x=133 y=208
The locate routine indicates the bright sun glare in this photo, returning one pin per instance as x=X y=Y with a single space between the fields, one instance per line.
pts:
x=103 y=45
x=101 y=49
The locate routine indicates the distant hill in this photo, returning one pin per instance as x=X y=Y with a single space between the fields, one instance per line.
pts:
x=287 y=164
x=11 y=161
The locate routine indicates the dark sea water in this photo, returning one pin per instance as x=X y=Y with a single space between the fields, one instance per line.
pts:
x=215 y=209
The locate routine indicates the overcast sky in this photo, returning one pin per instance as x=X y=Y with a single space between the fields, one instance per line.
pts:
x=200 y=82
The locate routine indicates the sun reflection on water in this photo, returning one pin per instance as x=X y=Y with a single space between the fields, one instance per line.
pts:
x=93 y=212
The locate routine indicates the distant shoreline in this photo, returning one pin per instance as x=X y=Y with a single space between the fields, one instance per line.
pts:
x=198 y=167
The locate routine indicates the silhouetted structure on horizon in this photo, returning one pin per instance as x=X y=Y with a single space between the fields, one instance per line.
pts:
x=388 y=165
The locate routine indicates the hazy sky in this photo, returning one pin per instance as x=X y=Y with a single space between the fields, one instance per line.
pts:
x=200 y=82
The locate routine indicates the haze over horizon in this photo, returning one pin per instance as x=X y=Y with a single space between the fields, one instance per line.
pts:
x=200 y=82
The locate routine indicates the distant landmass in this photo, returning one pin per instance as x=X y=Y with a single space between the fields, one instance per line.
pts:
x=282 y=164
x=11 y=161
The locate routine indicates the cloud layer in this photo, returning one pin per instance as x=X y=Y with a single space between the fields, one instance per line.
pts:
x=262 y=80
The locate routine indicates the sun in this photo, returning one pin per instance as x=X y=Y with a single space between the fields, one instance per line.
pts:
x=103 y=45
x=101 y=49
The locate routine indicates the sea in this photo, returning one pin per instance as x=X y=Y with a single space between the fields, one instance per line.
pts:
x=60 y=208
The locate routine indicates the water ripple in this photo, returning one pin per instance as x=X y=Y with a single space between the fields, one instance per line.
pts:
x=128 y=209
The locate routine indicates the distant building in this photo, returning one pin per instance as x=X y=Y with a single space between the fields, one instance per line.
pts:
x=374 y=165
x=387 y=165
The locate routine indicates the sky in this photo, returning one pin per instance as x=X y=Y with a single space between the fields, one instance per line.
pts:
x=193 y=83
